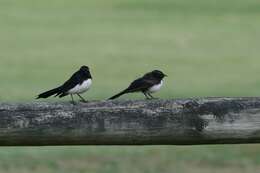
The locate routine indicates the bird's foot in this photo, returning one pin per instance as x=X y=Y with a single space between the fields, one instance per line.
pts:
x=84 y=101
x=73 y=103
x=152 y=97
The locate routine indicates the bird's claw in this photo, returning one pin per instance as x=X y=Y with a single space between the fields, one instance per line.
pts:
x=73 y=103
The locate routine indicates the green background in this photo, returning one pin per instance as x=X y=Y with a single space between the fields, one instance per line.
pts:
x=207 y=48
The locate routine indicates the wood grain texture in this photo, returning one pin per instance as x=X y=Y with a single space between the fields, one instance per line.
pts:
x=153 y=122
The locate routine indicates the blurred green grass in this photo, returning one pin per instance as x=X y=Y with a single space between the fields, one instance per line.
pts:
x=208 y=48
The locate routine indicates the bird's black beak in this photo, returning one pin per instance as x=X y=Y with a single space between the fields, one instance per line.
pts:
x=165 y=75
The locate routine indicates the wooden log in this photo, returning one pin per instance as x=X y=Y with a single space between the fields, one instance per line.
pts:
x=145 y=122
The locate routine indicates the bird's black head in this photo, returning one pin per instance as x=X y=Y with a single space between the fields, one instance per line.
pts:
x=84 y=68
x=85 y=71
x=158 y=74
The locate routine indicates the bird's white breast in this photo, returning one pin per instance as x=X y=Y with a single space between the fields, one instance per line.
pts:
x=156 y=88
x=81 y=88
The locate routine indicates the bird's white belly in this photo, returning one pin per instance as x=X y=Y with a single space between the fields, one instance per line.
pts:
x=155 y=88
x=81 y=88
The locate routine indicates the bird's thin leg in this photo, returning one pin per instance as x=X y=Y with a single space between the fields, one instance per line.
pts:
x=72 y=99
x=151 y=96
x=146 y=96
x=82 y=99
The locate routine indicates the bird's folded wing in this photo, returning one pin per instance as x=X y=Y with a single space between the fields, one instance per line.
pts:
x=74 y=80
x=140 y=85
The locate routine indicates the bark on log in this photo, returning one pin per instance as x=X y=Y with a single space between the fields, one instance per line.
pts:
x=153 y=122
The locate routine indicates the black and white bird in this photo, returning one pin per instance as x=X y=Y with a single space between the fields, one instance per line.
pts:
x=78 y=83
x=148 y=84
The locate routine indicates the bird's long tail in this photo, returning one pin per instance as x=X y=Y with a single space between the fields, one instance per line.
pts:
x=49 y=93
x=118 y=95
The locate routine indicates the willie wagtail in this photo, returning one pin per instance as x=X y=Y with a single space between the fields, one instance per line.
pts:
x=78 y=83
x=148 y=84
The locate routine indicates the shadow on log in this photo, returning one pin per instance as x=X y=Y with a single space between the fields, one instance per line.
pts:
x=154 y=122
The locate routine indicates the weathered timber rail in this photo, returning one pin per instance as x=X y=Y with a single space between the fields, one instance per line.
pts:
x=146 y=122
